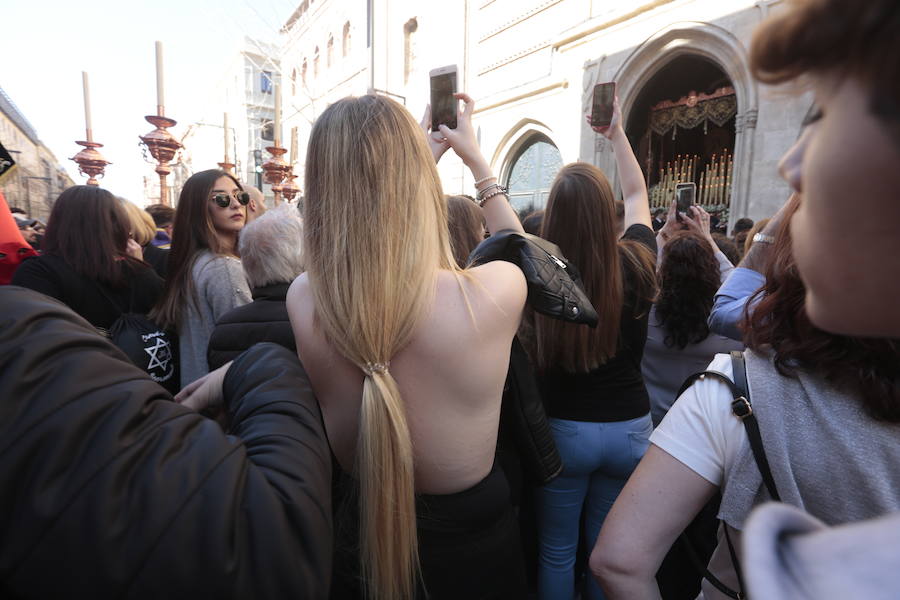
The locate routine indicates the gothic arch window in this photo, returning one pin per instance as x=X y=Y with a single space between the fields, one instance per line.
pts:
x=720 y=47
x=409 y=30
x=534 y=166
x=330 y=51
x=294 y=81
x=316 y=63
x=345 y=43
x=303 y=70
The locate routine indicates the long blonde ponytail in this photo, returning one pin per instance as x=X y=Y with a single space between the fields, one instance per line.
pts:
x=376 y=234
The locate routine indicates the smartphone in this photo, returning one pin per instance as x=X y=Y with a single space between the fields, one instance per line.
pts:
x=443 y=104
x=685 y=197
x=602 y=109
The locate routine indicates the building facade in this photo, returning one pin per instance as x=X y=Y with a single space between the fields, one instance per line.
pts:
x=38 y=178
x=246 y=94
x=692 y=110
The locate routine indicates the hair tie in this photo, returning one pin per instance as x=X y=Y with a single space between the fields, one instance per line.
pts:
x=371 y=368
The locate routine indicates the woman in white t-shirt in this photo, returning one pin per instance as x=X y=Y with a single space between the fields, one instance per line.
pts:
x=828 y=408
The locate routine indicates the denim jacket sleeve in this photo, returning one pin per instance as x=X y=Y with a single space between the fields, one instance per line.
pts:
x=728 y=307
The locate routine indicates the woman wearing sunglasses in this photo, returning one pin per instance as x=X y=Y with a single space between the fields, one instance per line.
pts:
x=205 y=276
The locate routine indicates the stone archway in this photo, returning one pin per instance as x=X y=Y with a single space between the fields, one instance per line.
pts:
x=719 y=46
x=529 y=160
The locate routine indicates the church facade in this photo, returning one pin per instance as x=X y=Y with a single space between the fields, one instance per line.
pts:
x=691 y=108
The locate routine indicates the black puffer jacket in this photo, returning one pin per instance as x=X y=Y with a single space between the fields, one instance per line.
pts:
x=263 y=320
x=110 y=490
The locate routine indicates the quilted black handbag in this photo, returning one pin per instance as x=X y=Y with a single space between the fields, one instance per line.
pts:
x=554 y=284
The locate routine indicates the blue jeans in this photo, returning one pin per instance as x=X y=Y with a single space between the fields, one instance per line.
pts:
x=597 y=459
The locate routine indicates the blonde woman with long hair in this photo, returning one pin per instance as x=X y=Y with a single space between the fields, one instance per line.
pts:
x=407 y=354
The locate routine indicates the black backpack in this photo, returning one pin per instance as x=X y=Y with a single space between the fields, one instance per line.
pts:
x=147 y=345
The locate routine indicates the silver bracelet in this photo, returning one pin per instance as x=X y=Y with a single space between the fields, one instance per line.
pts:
x=499 y=192
x=481 y=193
x=483 y=179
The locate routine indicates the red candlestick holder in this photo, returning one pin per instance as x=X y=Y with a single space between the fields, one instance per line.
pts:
x=289 y=188
x=90 y=162
x=276 y=170
x=163 y=147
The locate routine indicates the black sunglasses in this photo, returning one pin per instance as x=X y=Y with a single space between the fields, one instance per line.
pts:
x=224 y=200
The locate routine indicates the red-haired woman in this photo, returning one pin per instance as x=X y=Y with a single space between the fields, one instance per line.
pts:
x=828 y=408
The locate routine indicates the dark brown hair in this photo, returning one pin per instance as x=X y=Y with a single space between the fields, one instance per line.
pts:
x=192 y=234
x=728 y=247
x=688 y=281
x=88 y=229
x=858 y=39
x=580 y=218
x=466 y=223
x=778 y=322
x=533 y=222
x=162 y=215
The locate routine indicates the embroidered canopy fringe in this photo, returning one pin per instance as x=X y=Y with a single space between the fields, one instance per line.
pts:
x=692 y=112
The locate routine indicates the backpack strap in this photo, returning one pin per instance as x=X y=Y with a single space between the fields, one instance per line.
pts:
x=742 y=409
x=115 y=305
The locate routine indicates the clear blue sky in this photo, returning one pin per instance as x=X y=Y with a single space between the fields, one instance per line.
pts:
x=46 y=44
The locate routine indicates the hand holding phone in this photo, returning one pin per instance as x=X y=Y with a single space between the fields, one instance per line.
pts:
x=603 y=104
x=443 y=104
x=685 y=197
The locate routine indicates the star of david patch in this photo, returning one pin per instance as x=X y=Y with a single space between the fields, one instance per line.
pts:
x=160 y=355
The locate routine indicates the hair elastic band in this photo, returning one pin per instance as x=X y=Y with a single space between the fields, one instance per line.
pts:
x=371 y=368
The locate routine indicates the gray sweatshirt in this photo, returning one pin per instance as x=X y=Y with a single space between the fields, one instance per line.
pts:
x=219 y=285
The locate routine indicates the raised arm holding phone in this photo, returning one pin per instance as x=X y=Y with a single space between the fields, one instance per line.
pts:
x=631 y=178
x=498 y=214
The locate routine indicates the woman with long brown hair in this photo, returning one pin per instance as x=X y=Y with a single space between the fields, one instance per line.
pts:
x=205 y=279
x=590 y=379
x=407 y=354
x=90 y=261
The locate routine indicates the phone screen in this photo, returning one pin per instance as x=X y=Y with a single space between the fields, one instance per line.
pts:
x=602 y=110
x=443 y=104
x=684 y=198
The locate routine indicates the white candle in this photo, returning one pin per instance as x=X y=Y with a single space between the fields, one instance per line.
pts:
x=293 y=146
x=87 y=107
x=225 y=127
x=277 y=115
x=160 y=95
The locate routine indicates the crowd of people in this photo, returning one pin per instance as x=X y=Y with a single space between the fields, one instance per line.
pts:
x=393 y=393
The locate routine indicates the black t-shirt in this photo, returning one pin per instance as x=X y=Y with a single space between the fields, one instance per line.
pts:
x=615 y=390
x=52 y=276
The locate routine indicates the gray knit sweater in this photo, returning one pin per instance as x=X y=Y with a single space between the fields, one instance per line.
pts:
x=219 y=285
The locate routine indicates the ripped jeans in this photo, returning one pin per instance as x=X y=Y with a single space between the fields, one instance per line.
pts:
x=597 y=459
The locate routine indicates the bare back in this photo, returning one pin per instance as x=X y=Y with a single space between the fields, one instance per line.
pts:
x=450 y=375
